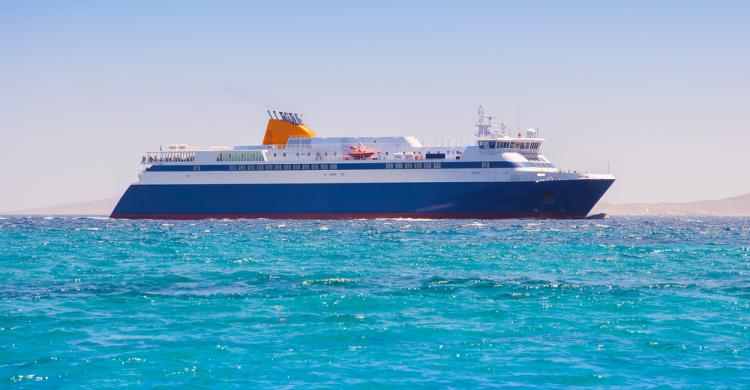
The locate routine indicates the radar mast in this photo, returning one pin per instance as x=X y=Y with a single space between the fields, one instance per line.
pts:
x=484 y=125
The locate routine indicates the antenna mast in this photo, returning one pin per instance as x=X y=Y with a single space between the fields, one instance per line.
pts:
x=484 y=124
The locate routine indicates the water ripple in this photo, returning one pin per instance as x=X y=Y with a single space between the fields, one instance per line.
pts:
x=625 y=302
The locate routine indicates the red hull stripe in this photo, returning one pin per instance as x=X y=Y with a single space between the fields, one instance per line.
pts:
x=351 y=216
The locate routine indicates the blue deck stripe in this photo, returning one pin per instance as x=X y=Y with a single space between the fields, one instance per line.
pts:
x=346 y=166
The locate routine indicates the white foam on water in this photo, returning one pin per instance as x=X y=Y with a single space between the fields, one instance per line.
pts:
x=326 y=281
x=246 y=260
x=476 y=224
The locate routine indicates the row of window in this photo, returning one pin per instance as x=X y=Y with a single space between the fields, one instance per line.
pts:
x=240 y=156
x=315 y=167
x=508 y=145
x=323 y=167
x=416 y=165
x=325 y=154
x=283 y=167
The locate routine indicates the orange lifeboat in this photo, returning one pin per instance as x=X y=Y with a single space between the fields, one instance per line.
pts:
x=360 y=152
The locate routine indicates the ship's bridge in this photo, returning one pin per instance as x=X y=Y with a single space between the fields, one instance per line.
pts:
x=518 y=144
x=490 y=137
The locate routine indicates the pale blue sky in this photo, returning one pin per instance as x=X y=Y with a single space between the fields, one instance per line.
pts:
x=660 y=91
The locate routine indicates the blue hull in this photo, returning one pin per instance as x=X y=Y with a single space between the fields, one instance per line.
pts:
x=488 y=200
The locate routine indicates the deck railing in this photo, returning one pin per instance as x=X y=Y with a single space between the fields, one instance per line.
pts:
x=291 y=152
x=171 y=157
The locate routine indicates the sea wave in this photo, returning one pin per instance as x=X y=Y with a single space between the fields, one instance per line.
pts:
x=247 y=303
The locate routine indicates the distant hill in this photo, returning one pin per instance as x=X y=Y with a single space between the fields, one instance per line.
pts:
x=734 y=206
x=94 y=207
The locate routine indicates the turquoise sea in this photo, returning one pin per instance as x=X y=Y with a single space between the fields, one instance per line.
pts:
x=620 y=302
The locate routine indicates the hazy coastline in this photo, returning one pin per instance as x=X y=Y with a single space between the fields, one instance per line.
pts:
x=738 y=206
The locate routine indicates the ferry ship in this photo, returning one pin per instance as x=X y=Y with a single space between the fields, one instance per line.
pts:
x=296 y=174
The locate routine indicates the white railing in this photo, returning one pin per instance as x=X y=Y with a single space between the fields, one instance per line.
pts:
x=338 y=152
x=171 y=157
x=294 y=153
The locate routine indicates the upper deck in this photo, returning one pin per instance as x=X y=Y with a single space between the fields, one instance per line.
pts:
x=303 y=146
